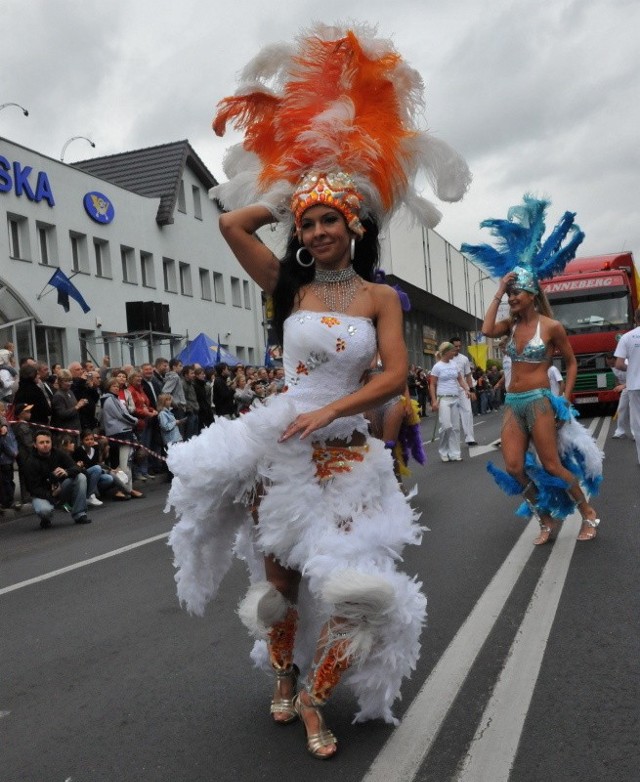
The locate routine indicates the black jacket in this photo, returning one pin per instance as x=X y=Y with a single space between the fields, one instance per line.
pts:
x=30 y=393
x=223 y=397
x=38 y=472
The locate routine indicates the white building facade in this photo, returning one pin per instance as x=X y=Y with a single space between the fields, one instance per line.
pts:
x=145 y=252
x=139 y=238
x=448 y=292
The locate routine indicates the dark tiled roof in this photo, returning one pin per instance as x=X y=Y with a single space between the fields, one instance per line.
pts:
x=155 y=172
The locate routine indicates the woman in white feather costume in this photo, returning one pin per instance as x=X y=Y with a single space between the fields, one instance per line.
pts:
x=297 y=488
x=326 y=500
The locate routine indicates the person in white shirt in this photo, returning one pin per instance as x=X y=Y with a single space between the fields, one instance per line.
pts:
x=556 y=383
x=628 y=351
x=466 y=413
x=445 y=382
x=623 y=427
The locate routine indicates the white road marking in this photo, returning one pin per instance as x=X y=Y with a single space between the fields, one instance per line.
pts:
x=401 y=756
x=478 y=450
x=493 y=749
x=84 y=563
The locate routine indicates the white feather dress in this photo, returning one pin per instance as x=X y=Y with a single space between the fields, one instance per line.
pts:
x=355 y=522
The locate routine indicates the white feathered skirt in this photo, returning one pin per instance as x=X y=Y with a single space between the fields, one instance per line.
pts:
x=356 y=522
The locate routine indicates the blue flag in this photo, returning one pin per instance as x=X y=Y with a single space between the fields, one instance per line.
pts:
x=66 y=288
x=268 y=361
x=218 y=352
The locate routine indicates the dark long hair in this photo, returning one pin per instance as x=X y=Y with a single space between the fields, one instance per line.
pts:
x=293 y=276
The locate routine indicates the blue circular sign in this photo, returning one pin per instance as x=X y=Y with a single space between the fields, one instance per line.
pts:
x=99 y=207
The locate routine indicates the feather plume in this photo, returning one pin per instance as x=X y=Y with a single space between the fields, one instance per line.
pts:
x=261 y=608
x=508 y=484
x=518 y=241
x=339 y=100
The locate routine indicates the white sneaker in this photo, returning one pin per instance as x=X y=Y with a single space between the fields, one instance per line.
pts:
x=617 y=435
x=93 y=501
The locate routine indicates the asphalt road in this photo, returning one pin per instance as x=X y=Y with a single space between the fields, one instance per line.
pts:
x=529 y=669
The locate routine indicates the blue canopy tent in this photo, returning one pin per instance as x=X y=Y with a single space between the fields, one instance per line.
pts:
x=204 y=351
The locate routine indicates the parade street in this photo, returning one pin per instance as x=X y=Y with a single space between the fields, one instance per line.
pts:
x=529 y=667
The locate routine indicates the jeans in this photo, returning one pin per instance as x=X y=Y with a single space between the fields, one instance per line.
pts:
x=191 y=425
x=98 y=479
x=72 y=491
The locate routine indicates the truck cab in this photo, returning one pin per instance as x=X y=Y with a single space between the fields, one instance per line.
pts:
x=595 y=299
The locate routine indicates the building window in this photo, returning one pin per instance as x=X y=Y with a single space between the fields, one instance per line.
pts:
x=197 y=205
x=246 y=294
x=218 y=288
x=46 y=243
x=235 y=292
x=103 y=258
x=205 y=284
x=251 y=357
x=240 y=353
x=49 y=342
x=127 y=257
x=18 y=237
x=186 y=288
x=169 y=275
x=147 y=270
x=182 y=202
x=79 y=254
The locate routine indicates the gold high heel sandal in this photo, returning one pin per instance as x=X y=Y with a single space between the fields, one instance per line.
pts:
x=323 y=737
x=281 y=704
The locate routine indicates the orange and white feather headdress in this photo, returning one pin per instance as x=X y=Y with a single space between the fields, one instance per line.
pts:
x=338 y=102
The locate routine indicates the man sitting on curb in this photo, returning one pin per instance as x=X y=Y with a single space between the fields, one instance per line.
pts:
x=53 y=478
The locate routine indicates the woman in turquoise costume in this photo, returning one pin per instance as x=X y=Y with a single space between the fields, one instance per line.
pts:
x=565 y=454
x=296 y=487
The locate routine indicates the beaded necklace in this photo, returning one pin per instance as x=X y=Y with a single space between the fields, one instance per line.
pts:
x=336 y=288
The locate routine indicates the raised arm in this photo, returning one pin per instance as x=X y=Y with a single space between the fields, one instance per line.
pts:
x=239 y=231
x=489 y=327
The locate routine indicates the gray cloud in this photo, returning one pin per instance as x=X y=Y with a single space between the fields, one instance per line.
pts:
x=539 y=97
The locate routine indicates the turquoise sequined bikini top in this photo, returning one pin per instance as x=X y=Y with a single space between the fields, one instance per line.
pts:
x=534 y=352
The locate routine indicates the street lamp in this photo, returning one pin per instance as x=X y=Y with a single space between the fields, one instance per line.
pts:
x=74 y=138
x=22 y=108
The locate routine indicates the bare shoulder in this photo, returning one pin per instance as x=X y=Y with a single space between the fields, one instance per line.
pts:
x=383 y=296
x=554 y=332
x=551 y=326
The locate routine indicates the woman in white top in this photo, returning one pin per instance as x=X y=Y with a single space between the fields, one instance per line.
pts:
x=445 y=381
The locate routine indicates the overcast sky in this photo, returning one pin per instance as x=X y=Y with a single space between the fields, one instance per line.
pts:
x=540 y=96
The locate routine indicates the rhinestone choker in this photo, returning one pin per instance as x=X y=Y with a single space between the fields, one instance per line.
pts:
x=336 y=287
x=335 y=275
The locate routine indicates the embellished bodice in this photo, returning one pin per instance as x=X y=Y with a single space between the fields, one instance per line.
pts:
x=534 y=352
x=325 y=356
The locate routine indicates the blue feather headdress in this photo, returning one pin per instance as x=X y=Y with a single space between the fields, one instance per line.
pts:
x=519 y=246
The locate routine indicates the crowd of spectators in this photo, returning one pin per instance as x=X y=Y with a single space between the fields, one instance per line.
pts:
x=83 y=432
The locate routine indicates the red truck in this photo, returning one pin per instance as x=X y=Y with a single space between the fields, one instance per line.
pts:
x=594 y=299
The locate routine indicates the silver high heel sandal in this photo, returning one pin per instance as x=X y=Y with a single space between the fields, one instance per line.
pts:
x=588 y=532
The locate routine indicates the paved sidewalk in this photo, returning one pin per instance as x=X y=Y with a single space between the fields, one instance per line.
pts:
x=9 y=514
